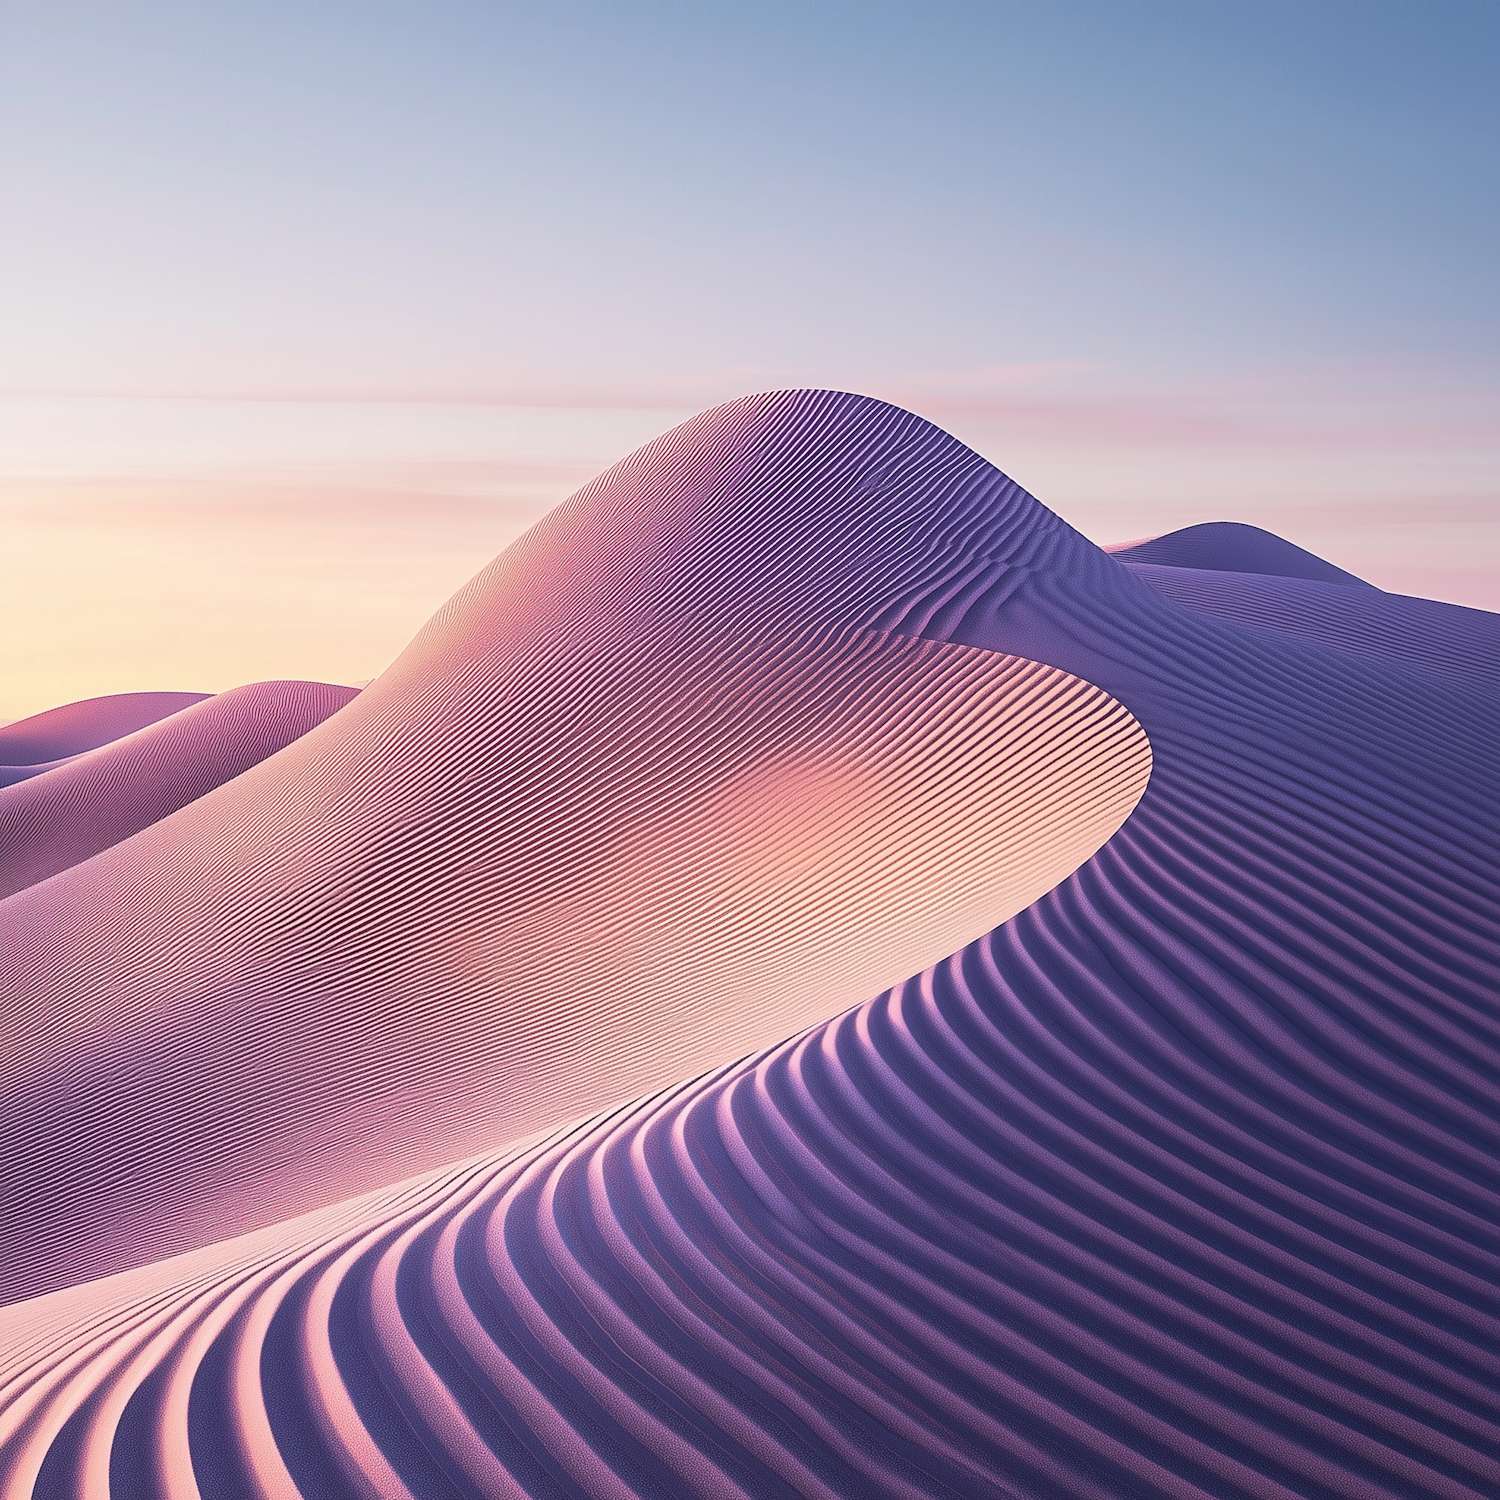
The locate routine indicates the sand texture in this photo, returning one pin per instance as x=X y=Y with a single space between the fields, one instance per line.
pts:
x=1176 y=1173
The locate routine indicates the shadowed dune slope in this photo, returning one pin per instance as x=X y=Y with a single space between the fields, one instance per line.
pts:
x=1180 y=1183
x=29 y=746
x=1233 y=547
x=650 y=793
x=63 y=817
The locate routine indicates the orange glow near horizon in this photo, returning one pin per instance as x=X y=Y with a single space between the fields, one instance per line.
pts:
x=115 y=592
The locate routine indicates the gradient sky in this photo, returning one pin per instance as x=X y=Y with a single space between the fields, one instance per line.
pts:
x=262 y=265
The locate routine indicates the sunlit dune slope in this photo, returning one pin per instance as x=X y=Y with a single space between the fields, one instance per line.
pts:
x=59 y=819
x=655 y=790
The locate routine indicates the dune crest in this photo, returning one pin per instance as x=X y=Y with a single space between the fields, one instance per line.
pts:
x=52 y=738
x=1233 y=547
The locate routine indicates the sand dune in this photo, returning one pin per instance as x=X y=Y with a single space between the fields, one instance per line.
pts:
x=654 y=791
x=99 y=797
x=1432 y=639
x=46 y=740
x=1232 y=547
x=1182 y=1182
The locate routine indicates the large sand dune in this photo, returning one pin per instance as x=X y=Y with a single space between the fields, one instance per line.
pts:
x=654 y=791
x=1182 y=1182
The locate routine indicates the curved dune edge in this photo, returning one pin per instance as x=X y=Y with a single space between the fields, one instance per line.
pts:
x=54 y=821
x=906 y=796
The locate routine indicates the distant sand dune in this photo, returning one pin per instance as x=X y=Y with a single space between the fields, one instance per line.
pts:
x=30 y=746
x=95 y=799
x=1231 y=546
x=1430 y=639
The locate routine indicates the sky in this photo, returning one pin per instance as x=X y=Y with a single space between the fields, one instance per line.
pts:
x=310 y=308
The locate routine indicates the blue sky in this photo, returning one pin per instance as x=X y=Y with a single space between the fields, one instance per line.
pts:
x=580 y=199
